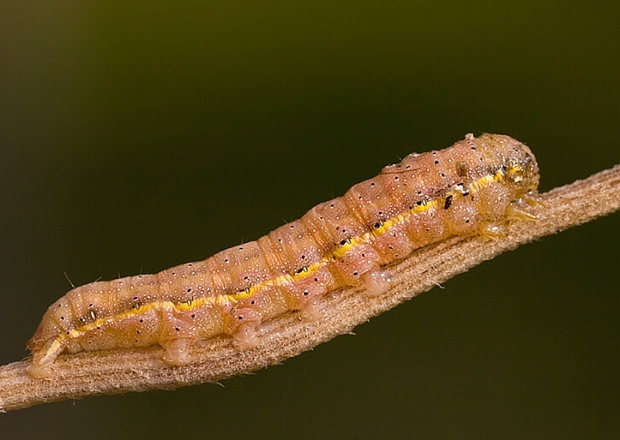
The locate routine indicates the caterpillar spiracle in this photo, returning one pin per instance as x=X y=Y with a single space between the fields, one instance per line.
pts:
x=347 y=241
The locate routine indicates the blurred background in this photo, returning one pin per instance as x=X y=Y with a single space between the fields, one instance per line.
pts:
x=137 y=136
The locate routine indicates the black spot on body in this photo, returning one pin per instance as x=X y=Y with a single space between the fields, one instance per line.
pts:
x=448 y=202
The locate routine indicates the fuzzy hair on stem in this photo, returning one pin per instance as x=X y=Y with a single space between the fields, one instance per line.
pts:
x=119 y=371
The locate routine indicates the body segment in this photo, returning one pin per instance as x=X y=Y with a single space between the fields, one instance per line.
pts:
x=346 y=241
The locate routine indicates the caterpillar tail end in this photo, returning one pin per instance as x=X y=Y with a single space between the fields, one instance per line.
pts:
x=39 y=371
x=43 y=359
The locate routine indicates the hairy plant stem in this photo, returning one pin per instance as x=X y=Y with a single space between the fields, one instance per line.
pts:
x=119 y=371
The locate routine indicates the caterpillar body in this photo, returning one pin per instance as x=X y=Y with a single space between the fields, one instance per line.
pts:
x=346 y=241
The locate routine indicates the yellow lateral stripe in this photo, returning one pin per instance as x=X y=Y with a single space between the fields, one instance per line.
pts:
x=55 y=347
x=283 y=280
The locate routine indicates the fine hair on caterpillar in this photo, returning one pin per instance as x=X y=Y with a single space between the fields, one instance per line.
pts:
x=462 y=190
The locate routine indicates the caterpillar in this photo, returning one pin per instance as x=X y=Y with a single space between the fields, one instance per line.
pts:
x=347 y=241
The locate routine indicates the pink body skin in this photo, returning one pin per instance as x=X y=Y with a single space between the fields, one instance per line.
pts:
x=345 y=241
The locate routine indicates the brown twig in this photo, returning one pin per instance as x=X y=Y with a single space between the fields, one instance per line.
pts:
x=119 y=371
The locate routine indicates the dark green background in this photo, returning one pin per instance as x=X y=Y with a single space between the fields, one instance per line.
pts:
x=137 y=136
